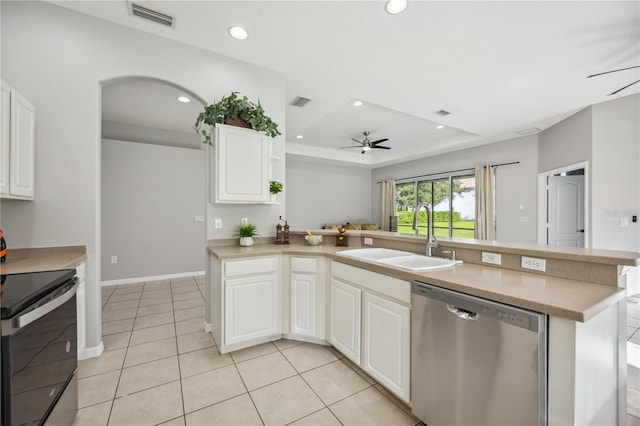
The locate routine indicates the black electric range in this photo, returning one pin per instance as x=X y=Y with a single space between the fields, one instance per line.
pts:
x=38 y=347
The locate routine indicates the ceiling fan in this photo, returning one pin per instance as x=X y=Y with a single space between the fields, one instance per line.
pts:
x=621 y=69
x=366 y=144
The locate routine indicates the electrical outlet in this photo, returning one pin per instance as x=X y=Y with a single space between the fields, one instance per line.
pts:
x=493 y=258
x=244 y=221
x=218 y=223
x=114 y=259
x=368 y=241
x=534 y=263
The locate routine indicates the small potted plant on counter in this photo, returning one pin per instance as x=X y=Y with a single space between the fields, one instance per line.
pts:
x=238 y=111
x=247 y=232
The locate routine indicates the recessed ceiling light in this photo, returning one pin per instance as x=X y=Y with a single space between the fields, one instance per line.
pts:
x=183 y=99
x=299 y=137
x=395 y=7
x=357 y=103
x=439 y=126
x=238 y=33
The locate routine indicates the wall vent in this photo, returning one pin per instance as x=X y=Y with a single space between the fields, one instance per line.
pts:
x=150 y=14
x=442 y=113
x=530 y=131
x=299 y=101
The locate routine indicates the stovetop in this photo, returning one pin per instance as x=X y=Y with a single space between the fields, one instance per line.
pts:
x=18 y=291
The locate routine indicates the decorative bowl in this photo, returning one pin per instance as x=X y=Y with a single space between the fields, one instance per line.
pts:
x=313 y=240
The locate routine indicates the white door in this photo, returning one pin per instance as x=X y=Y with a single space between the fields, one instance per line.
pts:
x=242 y=165
x=345 y=322
x=303 y=305
x=252 y=308
x=23 y=119
x=387 y=348
x=565 y=208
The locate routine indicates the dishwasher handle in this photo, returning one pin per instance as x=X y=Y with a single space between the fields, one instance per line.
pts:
x=462 y=313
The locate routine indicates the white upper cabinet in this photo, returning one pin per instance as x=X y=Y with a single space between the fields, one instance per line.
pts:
x=17 y=145
x=242 y=163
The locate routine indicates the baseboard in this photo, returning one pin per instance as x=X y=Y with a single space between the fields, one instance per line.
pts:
x=92 y=352
x=151 y=278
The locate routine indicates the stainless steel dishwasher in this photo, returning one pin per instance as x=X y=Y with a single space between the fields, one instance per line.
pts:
x=476 y=362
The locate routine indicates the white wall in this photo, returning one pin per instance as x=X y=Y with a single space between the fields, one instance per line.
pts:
x=616 y=175
x=320 y=192
x=567 y=142
x=57 y=59
x=515 y=184
x=150 y=195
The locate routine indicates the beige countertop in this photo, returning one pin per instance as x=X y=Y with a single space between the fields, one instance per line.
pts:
x=564 y=298
x=43 y=259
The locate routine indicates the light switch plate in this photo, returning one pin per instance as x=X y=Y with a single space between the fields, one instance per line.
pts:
x=492 y=258
x=244 y=221
x=198 y=218
x=368 y=241
x=218 y=223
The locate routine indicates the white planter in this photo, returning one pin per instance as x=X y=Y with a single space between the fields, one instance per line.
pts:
x=273 y=198
x=246 y=241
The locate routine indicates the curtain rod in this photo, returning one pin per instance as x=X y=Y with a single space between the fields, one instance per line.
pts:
x=455 y=171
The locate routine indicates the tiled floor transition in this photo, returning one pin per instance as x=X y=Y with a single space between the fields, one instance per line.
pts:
x=160 y=367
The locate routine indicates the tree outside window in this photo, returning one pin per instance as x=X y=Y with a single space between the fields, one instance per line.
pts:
x=451 y=199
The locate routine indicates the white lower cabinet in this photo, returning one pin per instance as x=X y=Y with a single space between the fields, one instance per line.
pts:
x=303 y=304
x=376 y=307
x=244 y=302
x=252 y=308
x=386 y=343
x=345 y=322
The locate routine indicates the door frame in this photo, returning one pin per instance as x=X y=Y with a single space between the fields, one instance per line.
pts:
x=542 y=201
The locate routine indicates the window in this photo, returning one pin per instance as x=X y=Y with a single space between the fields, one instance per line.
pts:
x=452 y=199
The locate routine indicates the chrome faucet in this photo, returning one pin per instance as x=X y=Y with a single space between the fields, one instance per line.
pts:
x=431 y=239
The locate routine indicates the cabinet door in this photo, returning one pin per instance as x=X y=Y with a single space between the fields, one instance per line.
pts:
x=5 y=134
x=387 y=355
x=22 y=150
x=346 y=308
x=303 y=304
x=242 y=165
x=252 y=308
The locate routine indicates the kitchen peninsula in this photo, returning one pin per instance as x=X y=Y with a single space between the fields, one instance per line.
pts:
x=581 y=293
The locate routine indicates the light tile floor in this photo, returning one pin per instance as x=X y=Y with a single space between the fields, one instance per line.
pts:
x=160 y=367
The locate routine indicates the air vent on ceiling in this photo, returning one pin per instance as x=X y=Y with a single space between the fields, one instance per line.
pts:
x=530 y=131
x=442 y=113
x=299 y=101
x=150 y=14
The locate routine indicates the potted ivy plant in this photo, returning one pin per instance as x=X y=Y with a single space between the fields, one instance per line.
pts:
x=247 y=232
x=231 y=109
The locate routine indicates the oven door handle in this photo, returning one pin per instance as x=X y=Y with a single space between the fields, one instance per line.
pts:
x=39 y=312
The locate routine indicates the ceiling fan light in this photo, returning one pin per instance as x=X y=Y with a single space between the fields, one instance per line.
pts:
x=366 y=148
x=394 y=7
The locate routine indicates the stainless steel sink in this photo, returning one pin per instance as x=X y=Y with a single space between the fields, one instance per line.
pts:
x=400 y=259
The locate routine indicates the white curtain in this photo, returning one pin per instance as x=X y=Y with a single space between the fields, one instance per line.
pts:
x=485 y=203
x=388 y=202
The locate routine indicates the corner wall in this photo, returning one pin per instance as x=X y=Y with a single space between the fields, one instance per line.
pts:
x=150 y=197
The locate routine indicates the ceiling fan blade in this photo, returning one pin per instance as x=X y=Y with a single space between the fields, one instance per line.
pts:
x=379 y=141
x=609 y=72
x=621 y=89
x=353 y=146
x=380 y=147
x=363 y=151
x=356 y=140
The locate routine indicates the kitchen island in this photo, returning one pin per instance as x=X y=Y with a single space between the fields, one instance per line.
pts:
x=581 y=292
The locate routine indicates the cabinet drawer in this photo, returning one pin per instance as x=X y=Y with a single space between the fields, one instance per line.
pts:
x=250 y=266
x=303 y=264
x=382 y=284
